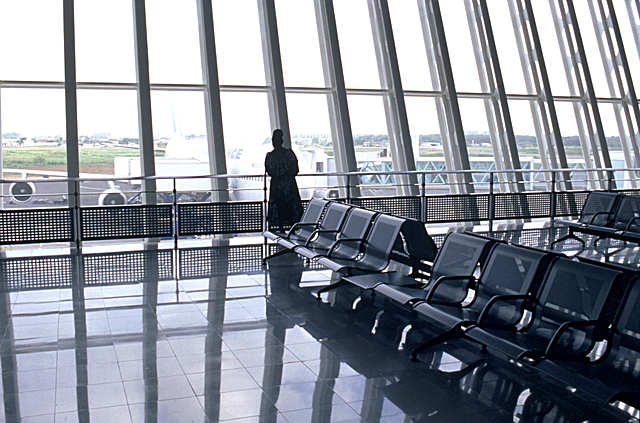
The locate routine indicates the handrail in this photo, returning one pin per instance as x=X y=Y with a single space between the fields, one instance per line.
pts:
x=369 y=173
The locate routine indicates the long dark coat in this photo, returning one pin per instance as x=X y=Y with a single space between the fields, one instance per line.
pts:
x=285 y=207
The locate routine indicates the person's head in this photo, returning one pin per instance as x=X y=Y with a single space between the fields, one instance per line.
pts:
x=276 y=138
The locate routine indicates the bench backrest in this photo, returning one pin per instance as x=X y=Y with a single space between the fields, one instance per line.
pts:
x=628 y=214
x=573 y=291
x=599 y=202
x=312 y=214
x=355 y=226
x=624 y=355
x=333 y=219
x=417 y=242
x=381 y=240
x=459 y=255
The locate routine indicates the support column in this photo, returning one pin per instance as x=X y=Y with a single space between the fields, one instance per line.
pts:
x=431 y=9
x=342 y=136
x=395 y=108
x=273 y=68
x=145 y=126
x=212 y=104
x=71 y=101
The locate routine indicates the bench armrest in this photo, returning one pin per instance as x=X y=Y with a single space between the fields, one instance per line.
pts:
x=563 y=328
x=498 y=298
x=337 y=242
x=630 y=223
x=593 y=216
x=438 y=282
x=316 y=232
x=298 y=225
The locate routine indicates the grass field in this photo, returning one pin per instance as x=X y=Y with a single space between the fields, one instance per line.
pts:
x=92 y=159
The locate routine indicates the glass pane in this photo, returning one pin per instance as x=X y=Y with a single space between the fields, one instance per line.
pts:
x=507 y=46
x=571 y=141
x=180 y=139
x=299 y=45
x=625 y=22
x=426 y=140
x=526 y=139
x=247 y=138
x=238 y=42
x=109 y=144
x=462 y=56
x=31 y=44
x=174 y=42
x=312 y=142
x=33 y=144
x=550 y=48
x=103 y=54
x=410 y=45
x=597 y=69
x=355 y=36
x=370 y=136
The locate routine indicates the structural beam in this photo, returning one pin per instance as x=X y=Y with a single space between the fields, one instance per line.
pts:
x=273 y=68
x=395 y=108
x=145 y=126
x=71 y=101
x=212 y=104
x=339 y=116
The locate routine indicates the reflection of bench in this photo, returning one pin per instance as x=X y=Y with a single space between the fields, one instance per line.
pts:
x=597 y=215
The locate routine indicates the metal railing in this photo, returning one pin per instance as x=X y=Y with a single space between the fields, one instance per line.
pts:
x=236 y=204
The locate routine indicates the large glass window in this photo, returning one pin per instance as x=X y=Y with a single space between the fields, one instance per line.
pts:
x=507 y=47
x=355 y=35
x=626 y=22
x=180 y=140
x=247 y=138
x=238 y=42
x=103 y=54
x=410 y=45
x=461 y=51
x=174 y=42
x=108 y=145
x=312 y=142
x=370 y=133
x=550 y=48
x=299 y=44
x=424 y=127
x=31 y=40
x=33 y=144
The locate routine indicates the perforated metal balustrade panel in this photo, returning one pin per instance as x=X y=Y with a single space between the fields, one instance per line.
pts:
x=219 y=218
x=35 y=225
x=408 y=207
x=522 y=205
x=456 y=208
x=27 y=273
x=570 y=203
x=120 y=222
x=210 y=261
x=129 y=267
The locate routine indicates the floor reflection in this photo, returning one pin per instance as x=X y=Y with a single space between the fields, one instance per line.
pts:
x=117 y=337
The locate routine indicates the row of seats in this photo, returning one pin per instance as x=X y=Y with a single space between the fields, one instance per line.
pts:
x=536 y=308
x=607 y=215
x=350 y=239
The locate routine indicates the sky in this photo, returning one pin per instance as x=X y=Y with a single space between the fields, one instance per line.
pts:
x=104 y=49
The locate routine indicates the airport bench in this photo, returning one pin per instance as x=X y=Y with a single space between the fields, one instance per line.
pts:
x=308 y=223
x=458 y=258
x=501 y=292
x=570 y=313
x=615 y=376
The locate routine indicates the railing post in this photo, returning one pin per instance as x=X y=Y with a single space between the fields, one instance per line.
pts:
x=175 y=216
x=554 y=199
x=348 y=188
x=76 y=217
x=492 y=202
x=423 y=200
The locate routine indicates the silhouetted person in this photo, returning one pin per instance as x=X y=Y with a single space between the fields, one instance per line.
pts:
x=281 y=164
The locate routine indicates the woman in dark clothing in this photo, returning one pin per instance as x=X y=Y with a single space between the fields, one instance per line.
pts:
x=281 y=164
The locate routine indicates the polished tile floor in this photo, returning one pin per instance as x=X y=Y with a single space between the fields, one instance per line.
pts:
x=124 y=337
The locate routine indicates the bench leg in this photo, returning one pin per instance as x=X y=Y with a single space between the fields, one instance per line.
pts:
x=331 y=287
x=276 y=254
x=454 y=332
